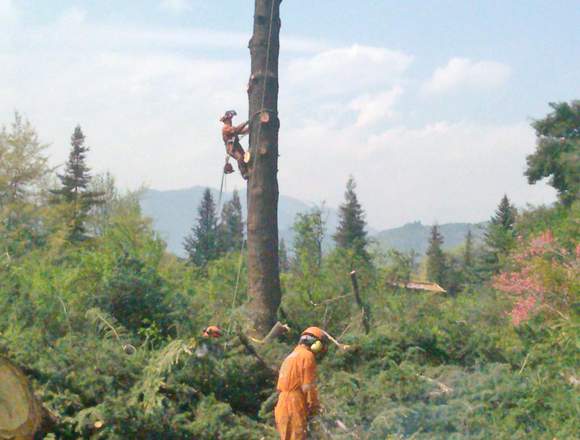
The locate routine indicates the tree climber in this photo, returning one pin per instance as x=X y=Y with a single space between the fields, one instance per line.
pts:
x=298 y=398
x=231 y=136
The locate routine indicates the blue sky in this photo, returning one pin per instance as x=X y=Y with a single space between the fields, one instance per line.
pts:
x=427 y=104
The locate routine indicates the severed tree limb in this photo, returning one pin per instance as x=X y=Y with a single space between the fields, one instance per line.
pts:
x=365 y=315
x=444 y=389
x=251 y=350
x=276 y=331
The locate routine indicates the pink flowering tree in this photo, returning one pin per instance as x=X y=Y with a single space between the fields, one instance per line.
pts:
x=541 y=276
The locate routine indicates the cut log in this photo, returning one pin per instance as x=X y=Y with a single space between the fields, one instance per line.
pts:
x=20 y=412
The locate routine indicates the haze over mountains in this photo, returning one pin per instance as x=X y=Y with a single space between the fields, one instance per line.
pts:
x=175 y=211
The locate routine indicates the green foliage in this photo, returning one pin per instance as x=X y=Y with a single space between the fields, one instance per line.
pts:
x=309 y=230
x=436 y=261
x=202 y=245
x=283 y=256
x=499 y=238
x=231 y=228
x=23 y=165
x=557 y=154
x=74 y=192
x=351 y=231
x=108 y=329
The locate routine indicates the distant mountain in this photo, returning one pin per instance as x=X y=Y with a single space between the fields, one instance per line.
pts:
x=415 y=236
x=174 y=213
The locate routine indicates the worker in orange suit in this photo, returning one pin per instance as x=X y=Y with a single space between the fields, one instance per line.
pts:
x=298 y=396
x=212 y=331
x=231 y=137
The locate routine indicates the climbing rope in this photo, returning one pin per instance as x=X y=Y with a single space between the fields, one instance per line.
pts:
x=236 y=289
x=219 y=204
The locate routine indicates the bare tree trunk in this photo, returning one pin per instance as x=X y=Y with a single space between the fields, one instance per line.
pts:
x=263 y=268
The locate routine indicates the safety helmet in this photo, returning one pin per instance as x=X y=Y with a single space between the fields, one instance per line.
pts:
x=228 y=115
x=213 y=331
x=318 y=333
x=320 y=339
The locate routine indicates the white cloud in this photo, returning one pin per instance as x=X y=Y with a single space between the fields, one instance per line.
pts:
x=149 y=102
x=462 y=73
x=7 y=10
x=177 y=5
x=376 y=107
x=72 y=17
x=346 y=69
x=441 y=171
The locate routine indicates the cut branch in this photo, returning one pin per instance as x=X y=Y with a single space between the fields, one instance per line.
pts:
x=364 y=311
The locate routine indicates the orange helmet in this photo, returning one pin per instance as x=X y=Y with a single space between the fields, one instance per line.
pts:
x=213 y=331
x=316 y=332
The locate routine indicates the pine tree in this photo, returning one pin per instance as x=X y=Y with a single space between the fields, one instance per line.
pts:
x=75 y=187
x=202 y=244
x=436 y=264
x=499 y=237
x=231 y=229
x=468 y=251
x=283 y=256
x=468 y=260
x=351 y=232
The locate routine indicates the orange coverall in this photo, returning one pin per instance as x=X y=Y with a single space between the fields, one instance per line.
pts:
x=298 y=394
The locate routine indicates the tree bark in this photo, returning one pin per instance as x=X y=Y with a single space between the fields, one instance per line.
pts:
x=263 y=268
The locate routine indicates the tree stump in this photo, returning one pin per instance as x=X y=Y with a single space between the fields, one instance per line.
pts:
x=20 y=411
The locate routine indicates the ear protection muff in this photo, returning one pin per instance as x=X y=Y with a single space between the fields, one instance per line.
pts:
x=317 y=347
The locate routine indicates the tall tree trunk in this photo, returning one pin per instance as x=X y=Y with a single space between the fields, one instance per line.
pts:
x=263 y=268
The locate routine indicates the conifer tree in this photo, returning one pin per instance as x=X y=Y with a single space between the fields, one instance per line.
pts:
x=436 y=264
x=231 y=229
x=499 y=237
x=74 y=189
x=351 y=231
x=468 y=251
x=468 y=261
x=283 y=256
x=202 y=244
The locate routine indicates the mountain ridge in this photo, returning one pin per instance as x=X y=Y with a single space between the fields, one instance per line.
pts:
x=174 y=212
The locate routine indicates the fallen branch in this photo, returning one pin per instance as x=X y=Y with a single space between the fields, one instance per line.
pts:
x=365 y=317
x=278 y=330
x=251 y=350
x=444 y=389
x=343 y=347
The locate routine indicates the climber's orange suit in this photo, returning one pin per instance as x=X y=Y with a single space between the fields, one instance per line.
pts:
x=298 y=397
